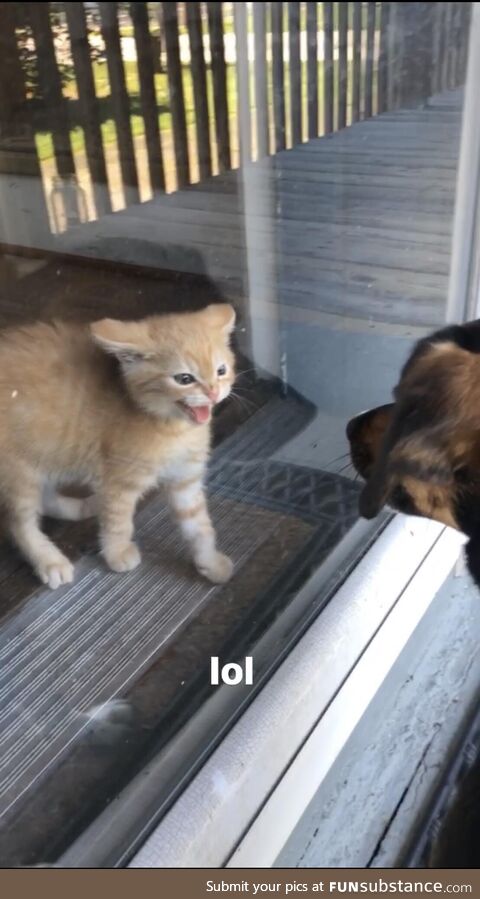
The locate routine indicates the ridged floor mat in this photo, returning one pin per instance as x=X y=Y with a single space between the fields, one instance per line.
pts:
x=79 y=646
x=144 y=637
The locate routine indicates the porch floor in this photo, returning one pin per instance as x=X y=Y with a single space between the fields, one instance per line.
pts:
x=357 y=223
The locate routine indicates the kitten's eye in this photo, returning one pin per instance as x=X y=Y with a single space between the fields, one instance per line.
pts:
x=184 y=379
x=222 y=370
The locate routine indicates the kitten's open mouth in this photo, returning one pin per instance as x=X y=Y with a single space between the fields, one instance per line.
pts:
x=198 y=414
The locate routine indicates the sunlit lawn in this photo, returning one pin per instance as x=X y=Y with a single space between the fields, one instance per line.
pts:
x=44 y=139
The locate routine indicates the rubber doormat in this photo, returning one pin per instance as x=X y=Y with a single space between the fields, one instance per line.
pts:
x=144 y=637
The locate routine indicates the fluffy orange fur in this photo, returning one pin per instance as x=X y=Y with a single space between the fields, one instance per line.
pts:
x=120 y=406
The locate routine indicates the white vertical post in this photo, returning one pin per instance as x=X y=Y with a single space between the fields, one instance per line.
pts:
x=463 y=293
x=262 y=340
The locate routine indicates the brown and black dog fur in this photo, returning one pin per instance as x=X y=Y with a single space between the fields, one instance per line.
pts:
x=421 y=454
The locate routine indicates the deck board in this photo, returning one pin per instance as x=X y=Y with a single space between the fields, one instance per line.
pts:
x=359 y=221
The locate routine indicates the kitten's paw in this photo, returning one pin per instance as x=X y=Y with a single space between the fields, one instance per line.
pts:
x=218 y=568
x=56 y=572
x=125 y=558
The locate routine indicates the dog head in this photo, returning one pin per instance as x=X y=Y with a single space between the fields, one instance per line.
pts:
x=421 y=454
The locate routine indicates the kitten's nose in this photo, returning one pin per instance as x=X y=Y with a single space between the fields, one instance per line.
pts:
x=213 y=394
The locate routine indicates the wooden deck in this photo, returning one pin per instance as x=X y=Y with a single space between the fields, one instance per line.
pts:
x=357 y=223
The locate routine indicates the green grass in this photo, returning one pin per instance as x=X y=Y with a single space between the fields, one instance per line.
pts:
x=127 y=30
x=228 y=27
x=44 y=137
x=102 y=87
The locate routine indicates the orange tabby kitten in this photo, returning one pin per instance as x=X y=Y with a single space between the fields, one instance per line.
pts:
x=119 y=406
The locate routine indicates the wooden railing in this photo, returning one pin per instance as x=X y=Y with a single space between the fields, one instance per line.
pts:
x=166 y=94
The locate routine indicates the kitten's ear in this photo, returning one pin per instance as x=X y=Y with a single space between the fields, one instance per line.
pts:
x=222 y=316
x=125 y=340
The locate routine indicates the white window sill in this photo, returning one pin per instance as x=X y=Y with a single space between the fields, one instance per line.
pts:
x=243 y=804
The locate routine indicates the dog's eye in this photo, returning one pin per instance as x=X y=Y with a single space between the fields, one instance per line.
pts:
x=184 y=379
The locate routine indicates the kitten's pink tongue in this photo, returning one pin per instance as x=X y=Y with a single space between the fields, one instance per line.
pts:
x=200 y=413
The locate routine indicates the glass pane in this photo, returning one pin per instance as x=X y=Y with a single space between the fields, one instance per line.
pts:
x=296 y=160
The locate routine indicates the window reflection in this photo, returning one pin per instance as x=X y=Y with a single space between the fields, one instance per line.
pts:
x=298 y=160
